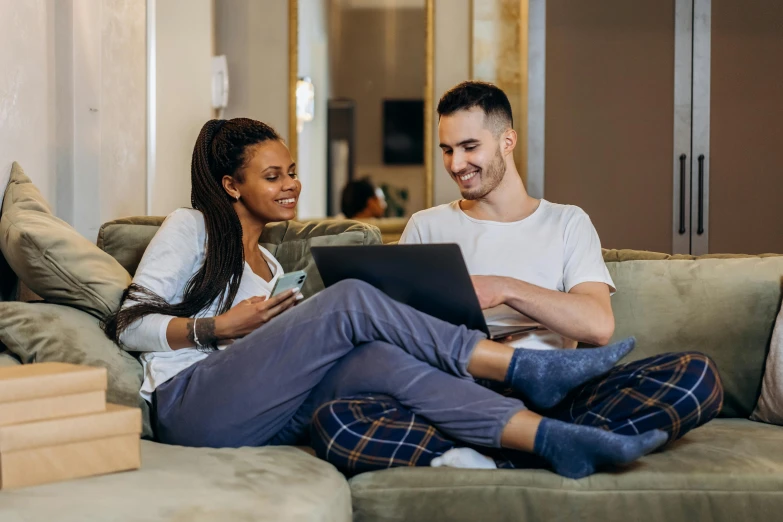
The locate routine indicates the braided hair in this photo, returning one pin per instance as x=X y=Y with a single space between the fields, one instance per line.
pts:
x=221 y=148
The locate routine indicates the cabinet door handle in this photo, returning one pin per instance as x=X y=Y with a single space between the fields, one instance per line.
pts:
x=683 y=157
x=700 y=229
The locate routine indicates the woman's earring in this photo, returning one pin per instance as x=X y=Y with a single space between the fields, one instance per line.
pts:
x=237 y=197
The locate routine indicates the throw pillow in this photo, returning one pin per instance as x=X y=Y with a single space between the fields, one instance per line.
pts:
x=769 y=408
x=41 y=332
x=51 y=258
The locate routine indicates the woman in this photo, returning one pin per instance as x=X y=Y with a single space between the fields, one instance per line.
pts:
x=204 y=284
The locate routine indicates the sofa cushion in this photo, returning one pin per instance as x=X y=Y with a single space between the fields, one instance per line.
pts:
x=724 y=308
x=178 y=484
x=391 y=228
x=42 y=332
x=728 y=470
x=290 y=242
x=51 y=258
x=126 y=239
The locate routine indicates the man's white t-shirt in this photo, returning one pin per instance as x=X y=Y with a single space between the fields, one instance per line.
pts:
x=556 y=248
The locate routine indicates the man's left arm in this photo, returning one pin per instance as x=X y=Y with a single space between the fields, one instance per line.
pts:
x=583 y=314
x=583 y=311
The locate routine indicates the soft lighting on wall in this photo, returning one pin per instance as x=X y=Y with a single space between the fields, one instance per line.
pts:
x=305 y=102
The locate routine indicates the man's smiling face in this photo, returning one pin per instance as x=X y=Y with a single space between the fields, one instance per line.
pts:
x=471 y=152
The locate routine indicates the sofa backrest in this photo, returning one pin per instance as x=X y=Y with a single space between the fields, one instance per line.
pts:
x=721 y=305
x=126 y=239
x=391 y=227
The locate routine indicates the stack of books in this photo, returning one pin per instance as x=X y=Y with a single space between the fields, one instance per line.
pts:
x=55 y=424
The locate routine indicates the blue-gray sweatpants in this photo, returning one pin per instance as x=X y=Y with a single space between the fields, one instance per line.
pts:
x=265 y=388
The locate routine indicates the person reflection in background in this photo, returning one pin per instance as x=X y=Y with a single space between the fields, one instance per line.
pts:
x=360 y=199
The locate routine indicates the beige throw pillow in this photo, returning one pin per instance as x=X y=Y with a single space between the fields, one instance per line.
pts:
x=770 y=405
x=53 y=259
x=42 y=332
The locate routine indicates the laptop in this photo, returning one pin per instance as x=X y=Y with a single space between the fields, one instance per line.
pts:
x=431 y=278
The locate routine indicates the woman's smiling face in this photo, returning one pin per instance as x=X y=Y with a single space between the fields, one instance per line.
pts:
x=268 y=186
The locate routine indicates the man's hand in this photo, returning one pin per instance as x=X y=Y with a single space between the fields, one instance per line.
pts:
x=491 y=290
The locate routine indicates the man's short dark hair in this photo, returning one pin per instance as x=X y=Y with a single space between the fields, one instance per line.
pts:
x=486 y=96
x=355 y=196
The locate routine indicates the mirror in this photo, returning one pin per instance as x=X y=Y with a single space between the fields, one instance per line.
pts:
x=347 y=83
x=360 y=104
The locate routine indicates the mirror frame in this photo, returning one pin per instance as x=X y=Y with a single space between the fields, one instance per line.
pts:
x=429 y=83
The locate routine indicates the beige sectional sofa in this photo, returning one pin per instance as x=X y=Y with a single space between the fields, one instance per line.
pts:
x=729 y=470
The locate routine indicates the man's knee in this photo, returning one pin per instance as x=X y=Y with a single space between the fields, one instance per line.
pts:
x=340 y=415
x=689 y=387
x=368 y=433
x=328 y=422
x=329 y=418
x=360 y=434
x=708 y=387
x=696 y=380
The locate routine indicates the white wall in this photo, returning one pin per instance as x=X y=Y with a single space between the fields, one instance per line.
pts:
x=254 y=37
x=101 y=100
x=313 y=37
x=72 y=104
x=73 y=98
x=123 y=88
x=27 y=123
x=183 y=53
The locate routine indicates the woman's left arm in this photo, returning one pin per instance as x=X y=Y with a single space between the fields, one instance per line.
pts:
x=170 y=260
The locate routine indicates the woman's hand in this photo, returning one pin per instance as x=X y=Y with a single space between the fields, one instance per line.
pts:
x=252 y=313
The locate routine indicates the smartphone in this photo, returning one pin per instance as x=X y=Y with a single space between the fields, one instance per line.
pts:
x=289 y=281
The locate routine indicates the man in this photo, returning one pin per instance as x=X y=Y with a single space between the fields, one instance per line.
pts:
x=528 y=258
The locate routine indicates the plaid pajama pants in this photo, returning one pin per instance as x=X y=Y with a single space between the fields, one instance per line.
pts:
x=674 y=392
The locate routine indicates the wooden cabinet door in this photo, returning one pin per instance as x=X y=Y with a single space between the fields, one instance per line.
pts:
x=744 y=193
x=610 y=143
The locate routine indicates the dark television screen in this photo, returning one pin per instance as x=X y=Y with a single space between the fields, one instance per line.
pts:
x=403 y=132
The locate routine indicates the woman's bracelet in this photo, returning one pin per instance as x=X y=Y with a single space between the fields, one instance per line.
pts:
x=195 y=335
x=203 y=332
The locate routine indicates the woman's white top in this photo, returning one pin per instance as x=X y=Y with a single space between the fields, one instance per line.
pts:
x=172 y=258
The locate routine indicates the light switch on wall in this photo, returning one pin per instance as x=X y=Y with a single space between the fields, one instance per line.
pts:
x=219 y=82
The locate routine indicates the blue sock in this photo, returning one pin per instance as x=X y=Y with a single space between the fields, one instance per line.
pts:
x=577 y=451
x=545 y=377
